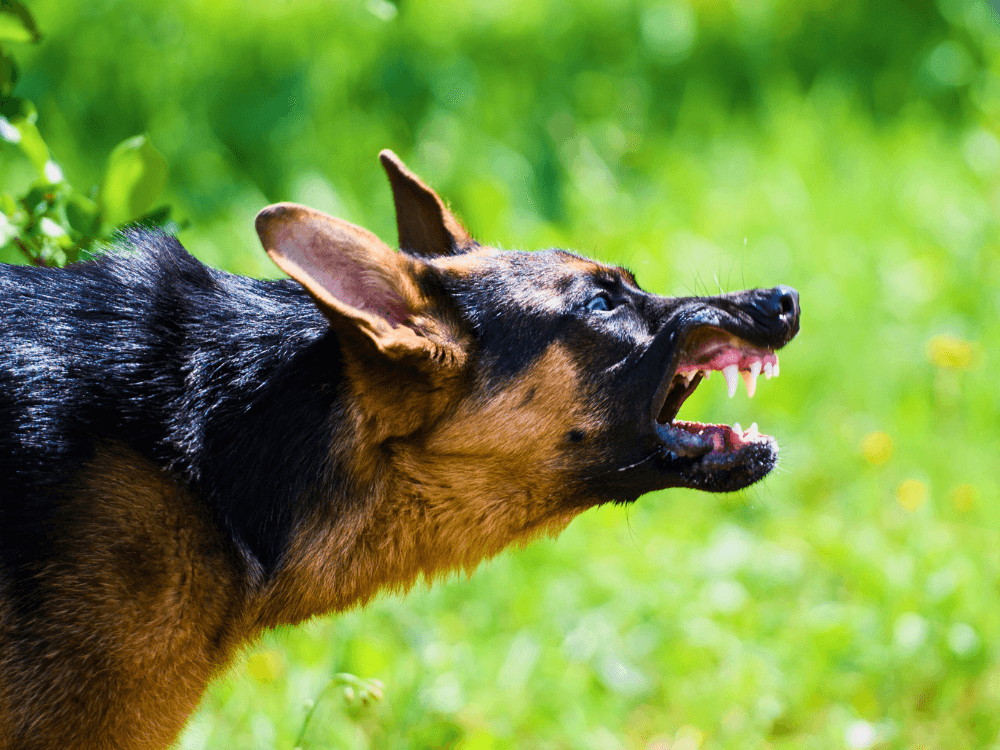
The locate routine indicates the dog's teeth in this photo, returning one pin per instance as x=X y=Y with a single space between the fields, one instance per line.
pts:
x=707 y=374
x=752 y=433
x=737 y=429
x=775 y=365
x=768 y=370
x=750 y=378
x=731 y=375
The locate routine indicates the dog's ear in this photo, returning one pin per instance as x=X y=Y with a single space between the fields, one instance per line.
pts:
x=426 y=226
x=357 y=281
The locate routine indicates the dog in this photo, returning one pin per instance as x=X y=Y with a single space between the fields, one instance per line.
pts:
x=188 y=457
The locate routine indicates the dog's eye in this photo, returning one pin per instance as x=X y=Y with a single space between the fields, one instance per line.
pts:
x=599 y=303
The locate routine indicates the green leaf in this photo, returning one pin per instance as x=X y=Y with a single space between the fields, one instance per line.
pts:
x=33 y=145
x=17 y=125
x=18 y=108
x=8 y=230
x=39 y=199
x=8 y=74
x=9 y=204
x=16 y=23
x=158 y=217
x=135 y=176
x=83 y=215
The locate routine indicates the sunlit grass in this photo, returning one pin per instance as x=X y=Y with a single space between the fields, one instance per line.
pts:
x=847 y=601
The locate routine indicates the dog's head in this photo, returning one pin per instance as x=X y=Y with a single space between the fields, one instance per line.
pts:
x=537 y=382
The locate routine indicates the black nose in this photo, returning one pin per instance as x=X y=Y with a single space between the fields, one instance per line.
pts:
x=783 y=303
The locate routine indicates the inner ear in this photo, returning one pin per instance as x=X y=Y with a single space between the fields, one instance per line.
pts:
x=426 y=226
x=358 y=282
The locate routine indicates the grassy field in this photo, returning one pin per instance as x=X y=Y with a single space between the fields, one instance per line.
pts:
x=848 y=601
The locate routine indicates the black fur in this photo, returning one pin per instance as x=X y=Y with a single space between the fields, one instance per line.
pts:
x=197 y=369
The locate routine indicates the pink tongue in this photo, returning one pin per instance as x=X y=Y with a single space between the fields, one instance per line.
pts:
x=722 y=436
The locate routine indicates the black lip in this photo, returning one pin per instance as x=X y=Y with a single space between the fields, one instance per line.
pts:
x=729 y=472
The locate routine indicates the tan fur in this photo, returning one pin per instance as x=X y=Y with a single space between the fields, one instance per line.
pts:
x=143 y=611
x=487 y=476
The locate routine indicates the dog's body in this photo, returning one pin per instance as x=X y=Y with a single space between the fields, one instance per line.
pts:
x=189 y=457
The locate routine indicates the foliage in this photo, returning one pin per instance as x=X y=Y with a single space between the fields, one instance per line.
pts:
x=51 y=223
x=850 y=150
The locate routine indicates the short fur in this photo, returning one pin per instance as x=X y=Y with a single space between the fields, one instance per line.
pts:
x=189 y=457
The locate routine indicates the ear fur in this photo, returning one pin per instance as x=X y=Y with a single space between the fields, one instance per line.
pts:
x=426 y=226
x=358 y=283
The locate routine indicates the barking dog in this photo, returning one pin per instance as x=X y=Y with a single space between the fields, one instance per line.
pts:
x=189 y=457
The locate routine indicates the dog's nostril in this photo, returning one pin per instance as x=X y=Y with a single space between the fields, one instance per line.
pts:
x=787 y=301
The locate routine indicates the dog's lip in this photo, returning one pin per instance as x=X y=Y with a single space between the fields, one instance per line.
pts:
x=705 y=348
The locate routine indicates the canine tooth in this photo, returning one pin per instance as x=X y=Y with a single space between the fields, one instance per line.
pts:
x=776 y=368
x=750 y=378
x=753 y=433
x=706 y=374
x=737 y=429
x=768 y=370
x=730 y=373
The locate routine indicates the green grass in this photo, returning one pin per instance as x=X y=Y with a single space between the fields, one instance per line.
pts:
x=848 y=601
x=851 y=597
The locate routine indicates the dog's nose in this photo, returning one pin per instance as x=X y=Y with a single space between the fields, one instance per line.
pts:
x=783 y=303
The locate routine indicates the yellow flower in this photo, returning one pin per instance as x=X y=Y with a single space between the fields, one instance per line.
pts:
x=876 y=448
x=911 y=494
x=964 y=497
x=951 y=352
x=266 y=666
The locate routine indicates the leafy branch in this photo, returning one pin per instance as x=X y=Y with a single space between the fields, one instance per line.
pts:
x=53 y=223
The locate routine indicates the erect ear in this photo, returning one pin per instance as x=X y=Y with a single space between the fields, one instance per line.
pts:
x=426 y=226
x=358 y=283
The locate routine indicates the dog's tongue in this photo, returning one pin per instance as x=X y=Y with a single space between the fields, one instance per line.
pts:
x=683 y=442
x=721 y=437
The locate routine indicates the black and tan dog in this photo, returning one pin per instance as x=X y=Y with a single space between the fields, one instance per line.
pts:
x=189 y=457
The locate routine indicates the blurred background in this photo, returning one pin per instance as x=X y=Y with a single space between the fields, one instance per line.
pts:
x=852 y=150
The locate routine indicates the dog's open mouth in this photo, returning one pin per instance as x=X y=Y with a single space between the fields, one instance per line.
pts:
x=708 y=349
